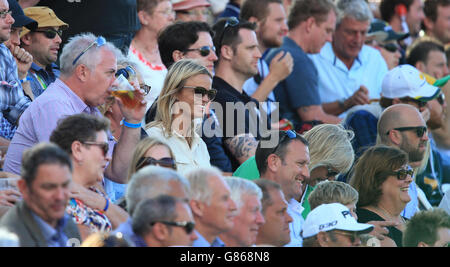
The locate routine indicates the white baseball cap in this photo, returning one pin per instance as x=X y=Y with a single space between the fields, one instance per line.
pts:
x=407 y=81
x=334 y=216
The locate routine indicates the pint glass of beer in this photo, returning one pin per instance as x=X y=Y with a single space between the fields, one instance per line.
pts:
x=125 y=91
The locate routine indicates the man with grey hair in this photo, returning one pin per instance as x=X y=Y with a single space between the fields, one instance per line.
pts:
x=344 y=64
x=150 y=182
x=164 y=221
x=88 y=67
x=211 y=205
x=247 y=196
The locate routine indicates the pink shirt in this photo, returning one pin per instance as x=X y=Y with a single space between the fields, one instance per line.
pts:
x=40 y=119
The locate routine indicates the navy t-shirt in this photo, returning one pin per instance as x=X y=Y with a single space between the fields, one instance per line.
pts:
x=300 y=88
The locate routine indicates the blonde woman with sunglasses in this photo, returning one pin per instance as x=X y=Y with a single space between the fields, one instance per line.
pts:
x=180 y=108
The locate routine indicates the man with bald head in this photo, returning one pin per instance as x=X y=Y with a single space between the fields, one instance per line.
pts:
x=403 y=126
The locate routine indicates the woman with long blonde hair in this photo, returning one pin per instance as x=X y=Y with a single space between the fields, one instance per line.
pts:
x=180 y=107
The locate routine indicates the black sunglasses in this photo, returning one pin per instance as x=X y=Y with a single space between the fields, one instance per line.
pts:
x=230 y=22
x=103 y=146
x=164 y=162
x=391 y=47
x=50 y=33
x=420 y=130
x=204 y=50
x=419 y=103
x=188 y=226
x=198 y=90
x=403 y=173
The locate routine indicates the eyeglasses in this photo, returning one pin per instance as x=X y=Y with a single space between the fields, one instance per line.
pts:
x=164 y=162
x=5 y=13
x=231 y=22
x=204 y=50
x=188 y=226
x=289 y=133
x=403 y=173
x=99 y=42
x=441 y=99
x=50 y=33
x=391 y=47
x=191 y=13
x=198 y=90
x=167 y=12
x=353 y=235
x=103 y=146
x=420 y=130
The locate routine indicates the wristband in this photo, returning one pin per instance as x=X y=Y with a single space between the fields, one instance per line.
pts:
x=107 y=205
x=25 y=80
x=131 y=125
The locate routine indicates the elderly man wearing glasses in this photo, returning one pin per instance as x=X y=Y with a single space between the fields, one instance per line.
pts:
x=88 y=67
x=43 y=44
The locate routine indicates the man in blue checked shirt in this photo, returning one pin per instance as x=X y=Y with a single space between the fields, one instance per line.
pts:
x=12 y=98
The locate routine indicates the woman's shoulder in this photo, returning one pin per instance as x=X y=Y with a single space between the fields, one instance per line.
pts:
x=365 y=215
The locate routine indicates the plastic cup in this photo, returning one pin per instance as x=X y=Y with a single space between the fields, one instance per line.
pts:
x=125 y=91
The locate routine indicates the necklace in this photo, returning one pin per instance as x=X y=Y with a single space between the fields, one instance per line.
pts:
x=387 y=214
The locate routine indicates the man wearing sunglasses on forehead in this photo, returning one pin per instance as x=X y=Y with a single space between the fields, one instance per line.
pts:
x=43 y=44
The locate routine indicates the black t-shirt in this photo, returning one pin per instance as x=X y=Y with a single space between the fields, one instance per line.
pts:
x=237 y=113
x=101 y=17
x=365 y=216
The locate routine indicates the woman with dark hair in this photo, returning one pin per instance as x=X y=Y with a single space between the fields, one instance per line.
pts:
x=382 y=177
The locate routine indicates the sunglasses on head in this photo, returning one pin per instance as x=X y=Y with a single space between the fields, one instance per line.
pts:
x=50 y=33
x=187 y=226
x=286 y=134
x=403 y=173
x=391 y=47
x=164 y=162
x=230 y=22
x=103 y=146
x=198 y=90
x=99 y=42
x=420 y=130
x=204 y=50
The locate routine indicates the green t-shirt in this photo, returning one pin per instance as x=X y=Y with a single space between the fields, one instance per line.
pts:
x=248 y=170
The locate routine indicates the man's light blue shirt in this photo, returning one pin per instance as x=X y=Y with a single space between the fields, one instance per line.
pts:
x=337 y=82
x=295 y=209
x=202 y=242
x=54 y=237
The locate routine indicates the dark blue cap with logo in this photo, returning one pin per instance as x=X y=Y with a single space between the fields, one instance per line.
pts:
x=20 y=20
x=383 y=32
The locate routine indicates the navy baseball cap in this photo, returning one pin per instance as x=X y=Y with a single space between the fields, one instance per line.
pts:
x=20 y=20
x=382 y=32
